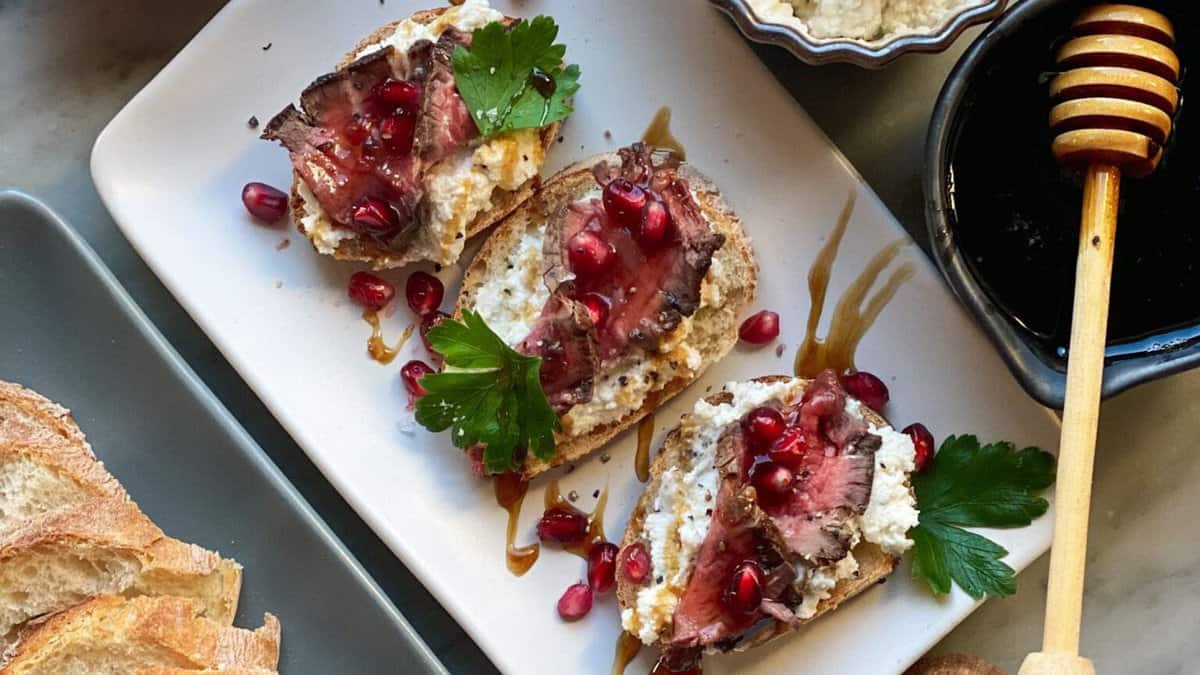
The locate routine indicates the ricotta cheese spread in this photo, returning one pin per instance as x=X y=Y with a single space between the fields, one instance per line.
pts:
x=460 y=187
x=678 y=521
x=868 y=21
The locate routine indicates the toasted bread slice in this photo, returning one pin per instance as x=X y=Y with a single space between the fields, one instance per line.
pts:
x=732 y=280
x=106 y=546
x=874 y=564
x=310 y=218
x=45 y=460
x=110 y=634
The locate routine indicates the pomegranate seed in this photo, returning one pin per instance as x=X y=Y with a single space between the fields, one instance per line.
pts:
x=764 y=425
x=412 y=372
x=789 y=448
x=429 y=321
x=264 y=202
x=597 y=308
x=566 y=526
x=370 y=291
x=773 y=482
x=744 y=593
x=575 y=602
x=636 y=564
x=923 y=442
x=656 y=223
x=867 y=388
x=623 y=201
x=424 y=292
x=374 y=216
x=399 y=94
x=589 y=254
x=396 y=132
x=602 y=566
x=760 y=328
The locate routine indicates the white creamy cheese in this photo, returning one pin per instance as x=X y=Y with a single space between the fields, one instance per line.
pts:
x=678 y=520
x=679 y=517
x=460 y=187
x=867 y=21
x=510 y=298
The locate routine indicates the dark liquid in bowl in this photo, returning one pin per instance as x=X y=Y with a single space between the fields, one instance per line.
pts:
x=1016 y=213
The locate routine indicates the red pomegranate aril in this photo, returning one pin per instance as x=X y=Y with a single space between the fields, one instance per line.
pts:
x=424 y=293
x=566 y=526
x=788 y=449
x=623 y=202
x=602 y=566
x=760 y=328
x=597 y=308
x=867 y=388
x=399 y=94
x=656 y=224
x=764 y=425
x=265 y=202
x=374 y=216
x=772 y=482
x=370 y=291
x=357 y=131
x=743 y=595
x=429 y=321
x=923 y=443
x=575 y=602
x=635 y=564
x=396 y=132
x=411 y=373
x=589 y=254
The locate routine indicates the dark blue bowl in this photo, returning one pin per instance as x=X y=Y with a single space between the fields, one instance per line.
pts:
x=1042 y=376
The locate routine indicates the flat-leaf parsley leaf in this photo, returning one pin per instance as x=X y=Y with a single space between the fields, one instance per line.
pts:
x=487 y=395
x=495 y=76
x=969 y=485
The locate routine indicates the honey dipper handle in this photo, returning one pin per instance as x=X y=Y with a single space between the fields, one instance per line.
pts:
x=1085 y=369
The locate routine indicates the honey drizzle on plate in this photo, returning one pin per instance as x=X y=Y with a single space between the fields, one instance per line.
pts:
x=658 y=133
x=376 y=347
x=595 y=534
x=641 y=462
x=627 y=650
x=510 y=493
x=851 y=318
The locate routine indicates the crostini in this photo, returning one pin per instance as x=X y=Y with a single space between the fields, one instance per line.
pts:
x=773 y=501
x=625 y=274
x=396 y=159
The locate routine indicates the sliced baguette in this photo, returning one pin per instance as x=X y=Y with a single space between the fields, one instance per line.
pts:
x=110 y=634
x=874 y=565
x=45 y=461
x=380 y=256
x=106 y=546
x=165 y=670
x=714 y=328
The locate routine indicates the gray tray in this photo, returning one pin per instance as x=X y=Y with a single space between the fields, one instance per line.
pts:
x=69 y=331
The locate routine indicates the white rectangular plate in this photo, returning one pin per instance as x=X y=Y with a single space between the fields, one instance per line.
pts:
x=172 y=163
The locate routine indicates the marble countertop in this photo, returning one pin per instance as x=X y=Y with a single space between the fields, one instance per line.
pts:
x=66 y=67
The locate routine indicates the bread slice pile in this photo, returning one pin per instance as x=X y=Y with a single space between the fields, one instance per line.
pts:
x=88 y=583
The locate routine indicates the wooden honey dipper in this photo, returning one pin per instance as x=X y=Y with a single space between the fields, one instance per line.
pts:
x=1113 y=108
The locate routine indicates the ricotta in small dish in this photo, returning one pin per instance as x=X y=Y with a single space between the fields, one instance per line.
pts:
x=867 y=21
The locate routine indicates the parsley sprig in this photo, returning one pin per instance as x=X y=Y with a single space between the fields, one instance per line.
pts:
x=969 y=485
x=494 y=76
x=487 y=395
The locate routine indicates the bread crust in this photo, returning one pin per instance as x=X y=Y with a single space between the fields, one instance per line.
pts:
x=116 y=525
x=169 y=627
x=366 y=249
x=738 y=266
x=874 y=565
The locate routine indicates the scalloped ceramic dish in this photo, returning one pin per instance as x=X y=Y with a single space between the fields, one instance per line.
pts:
x=858 y=52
